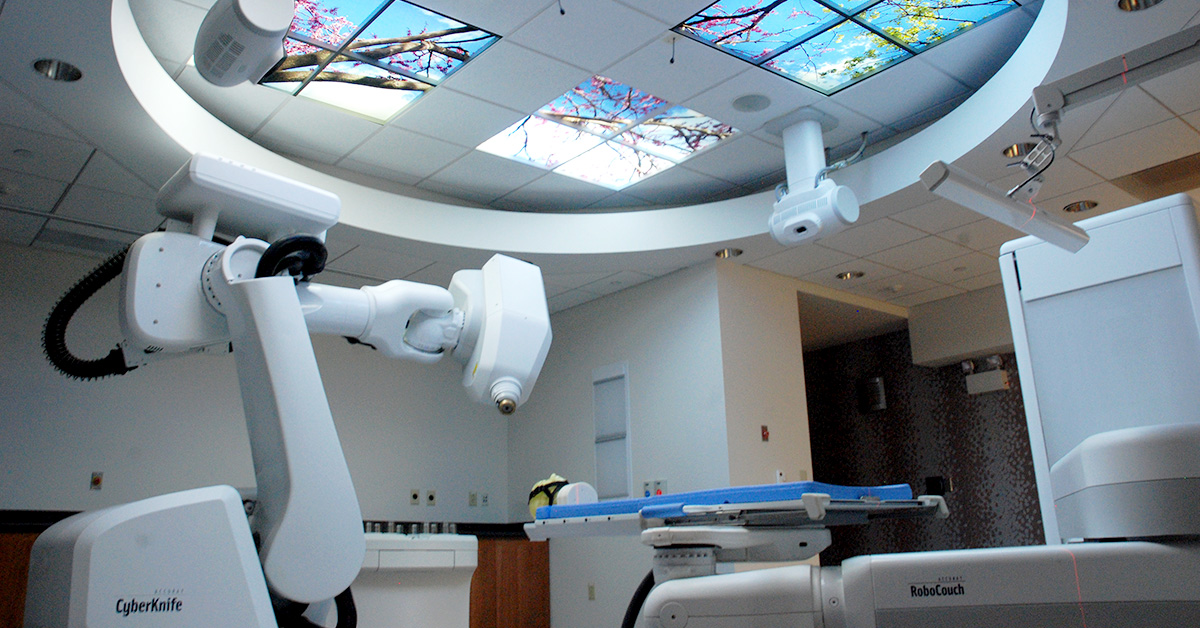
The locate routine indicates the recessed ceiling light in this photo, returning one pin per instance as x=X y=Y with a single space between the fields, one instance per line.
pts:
x=851 y=274
x=1136 y=5
x=1019 y=150
x=727 y=253
x=1080 y=206
x=751 y=103
x=57 y=70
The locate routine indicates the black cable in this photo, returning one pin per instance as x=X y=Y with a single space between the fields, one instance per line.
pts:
x=54 y=333
x=289 y=614
x=300 y=256
x=638 y=600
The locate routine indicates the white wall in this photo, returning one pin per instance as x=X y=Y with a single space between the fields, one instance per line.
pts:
x=965 y=326
x=178 y=423
x=764 y=376
x=668 y=333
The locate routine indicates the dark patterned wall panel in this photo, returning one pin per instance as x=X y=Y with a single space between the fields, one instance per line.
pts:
x=931 y=427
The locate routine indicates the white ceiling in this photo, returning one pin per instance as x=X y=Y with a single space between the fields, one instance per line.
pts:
x=63 y=188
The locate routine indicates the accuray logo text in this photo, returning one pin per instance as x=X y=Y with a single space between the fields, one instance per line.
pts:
x=132 y=606
x=936 y=590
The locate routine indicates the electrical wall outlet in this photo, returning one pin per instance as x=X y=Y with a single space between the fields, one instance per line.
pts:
x=483 y=500
x=431 y=498
x=97 y=481
x=414 y=497
x=472 y=499
x=592 y=591
x=660 y=487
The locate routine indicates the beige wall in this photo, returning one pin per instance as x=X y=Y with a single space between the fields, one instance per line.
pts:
x=764 y=376
x=966 y=326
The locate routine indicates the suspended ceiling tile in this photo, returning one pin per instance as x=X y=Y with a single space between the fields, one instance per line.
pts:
x=1074 y=124
x=301 y=150
x=1155 y=145
x=60 y=235
x=569 y=299
x=894 y=287
x=936 y=293
x=307 y=123
x=871 y=273
x=955 y=270
x=26 y=191
x=697 y=68
x=378 y=263
x=482 y=176
x=909 y=197
x=379 y=171
x=960 y=57
x=40 y=154
x=671 y=11
x=929 y=114
x=169 y=27
x=937 y=216
x=900 y=92
x=19 y=228
x=802 y=260
x=243 y=107
x=515 y=77
x=592 y=35
x=618 y=201
x=1193 y=119
x=1109 y=197
x=742 y=159
x=501 y=20
x=558 y=283
x=784 y=95
x=407 y=152
x=984 y=236
x=474 y=120
x=557 y=193
x=16 y=110
x=980 y=282
x=872 y=237
x=1178 y=90
x=678 y=185
x=112 y=209
x=105 y=173
x=918 y=253
x=1063 y=177
x=1133 y=110
x=616 y=282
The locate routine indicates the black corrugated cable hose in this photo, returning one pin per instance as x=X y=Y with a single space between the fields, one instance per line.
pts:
x=638 y=600
x=54 y=334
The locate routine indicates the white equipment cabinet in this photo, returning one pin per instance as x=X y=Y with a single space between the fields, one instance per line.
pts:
x=411 y=581
x=1108 y=348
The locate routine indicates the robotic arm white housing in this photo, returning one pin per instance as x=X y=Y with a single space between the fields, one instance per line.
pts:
x=241 y=40
x=506 y=332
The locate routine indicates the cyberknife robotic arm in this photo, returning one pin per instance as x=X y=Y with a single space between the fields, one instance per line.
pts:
x=183 y=293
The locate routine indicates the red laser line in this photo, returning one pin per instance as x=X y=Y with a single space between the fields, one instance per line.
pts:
x=1125 y=71
x=1078 y=588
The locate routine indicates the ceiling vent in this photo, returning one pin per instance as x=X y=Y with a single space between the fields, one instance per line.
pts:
x=1173 y=177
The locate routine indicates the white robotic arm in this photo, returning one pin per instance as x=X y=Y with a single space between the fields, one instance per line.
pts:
x=183 y=293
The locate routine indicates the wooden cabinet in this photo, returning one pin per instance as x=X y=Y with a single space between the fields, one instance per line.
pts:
x=510 y=588
x=14 y=574
x=511 y=585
